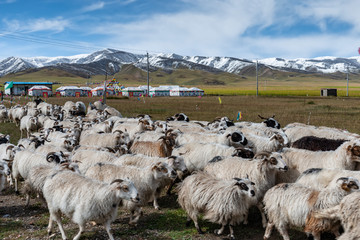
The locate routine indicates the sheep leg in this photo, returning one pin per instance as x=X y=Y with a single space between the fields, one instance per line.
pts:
x=232 y=237
x=137 y=213
x=27 y=199
x=10 y=180
x=260 y=206
x=316 y=235
x=155 y=197
x=81 y=230
x=108 y=230
x=16 y=187
x=269 y=228
x=220 y=231
x=195 y=220
x=55 y=216
x=176 y=180
x=283 y=231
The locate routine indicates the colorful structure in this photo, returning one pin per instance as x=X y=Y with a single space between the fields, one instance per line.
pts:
x=40 y=90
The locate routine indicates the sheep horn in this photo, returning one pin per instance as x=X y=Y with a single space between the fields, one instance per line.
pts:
x=49 y=155
x=121 y=132
x=117 y=180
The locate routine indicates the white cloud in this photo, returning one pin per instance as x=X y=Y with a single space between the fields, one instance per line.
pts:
x=40 y=24
x=221 y=27
x=94 y=7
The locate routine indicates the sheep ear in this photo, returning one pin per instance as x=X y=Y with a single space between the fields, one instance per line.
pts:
x=349 y=148
x=156 y=165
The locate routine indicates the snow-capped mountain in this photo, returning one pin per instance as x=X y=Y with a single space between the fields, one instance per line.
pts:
x=111 y=60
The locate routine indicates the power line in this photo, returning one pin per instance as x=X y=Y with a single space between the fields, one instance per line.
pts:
x=61 y=43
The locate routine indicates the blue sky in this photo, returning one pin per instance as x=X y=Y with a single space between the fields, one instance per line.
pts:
x=235 y=28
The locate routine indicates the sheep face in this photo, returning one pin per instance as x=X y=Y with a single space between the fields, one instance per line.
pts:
x=237 y=138
x=126 y=189
x=5 y=168
x=348 y=184
x=271 y=122
x=354 y=151
x=245 y=186
x=163 y=170
x=275 y=162
x=10 y=154
x=122 y=137
x=57 y=157
x=243 y=153
x=178 y=163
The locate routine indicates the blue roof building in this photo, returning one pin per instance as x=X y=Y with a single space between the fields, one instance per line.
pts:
x=21 y=88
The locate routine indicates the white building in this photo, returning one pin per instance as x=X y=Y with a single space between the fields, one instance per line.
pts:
x=69 y=91
x=39 y=90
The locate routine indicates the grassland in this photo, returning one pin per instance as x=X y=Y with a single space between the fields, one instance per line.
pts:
x=169 y=223
x=270 y=82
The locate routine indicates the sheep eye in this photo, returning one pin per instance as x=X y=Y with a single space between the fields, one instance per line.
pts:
x=273 y=161
x=125 y=189
x=252 y=183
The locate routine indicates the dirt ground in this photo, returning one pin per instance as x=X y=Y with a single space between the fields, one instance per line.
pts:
x=20 y=222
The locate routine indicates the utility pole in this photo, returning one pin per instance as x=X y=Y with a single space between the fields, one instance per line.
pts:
x=148 y=84
x=257 y=80
x=347 y=81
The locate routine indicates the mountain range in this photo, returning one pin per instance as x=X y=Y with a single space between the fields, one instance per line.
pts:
x=110 y=61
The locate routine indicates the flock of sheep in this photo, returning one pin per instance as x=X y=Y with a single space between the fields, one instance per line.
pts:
x=85 y=163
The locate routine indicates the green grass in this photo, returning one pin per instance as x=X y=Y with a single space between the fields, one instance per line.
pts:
x=169 y=223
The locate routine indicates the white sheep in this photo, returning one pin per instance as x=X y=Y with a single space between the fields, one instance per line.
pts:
x=4 y=172
x=133 y=128
x=45 y=108
x=3 y=115
x=232 y=137
x=28 y=124
x=295 y=131
x=112 y=111
x=197 y=155
x=348 y=212
x=225 y=202
x=261 y=170
x=88 y=158
x=105 y=139
x=37 y=176
x=146 y=180
x=83 y=199
x=299 y=160
x=265 y=144
x=319 y=178
x=17 y=113
x=26 y=160
x=292 y=204
x=141 y=161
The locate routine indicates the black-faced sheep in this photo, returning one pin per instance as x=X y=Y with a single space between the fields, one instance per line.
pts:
x=225 y=202
x=261 y=170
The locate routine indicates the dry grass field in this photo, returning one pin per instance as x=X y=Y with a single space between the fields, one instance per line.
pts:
x=18 y=222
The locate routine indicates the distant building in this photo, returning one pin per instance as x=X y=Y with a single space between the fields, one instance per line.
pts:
x=69 y=91
x=21 y=88
x=133 y=92
x=40 y=90
x=328 y=92
x=99 y=91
